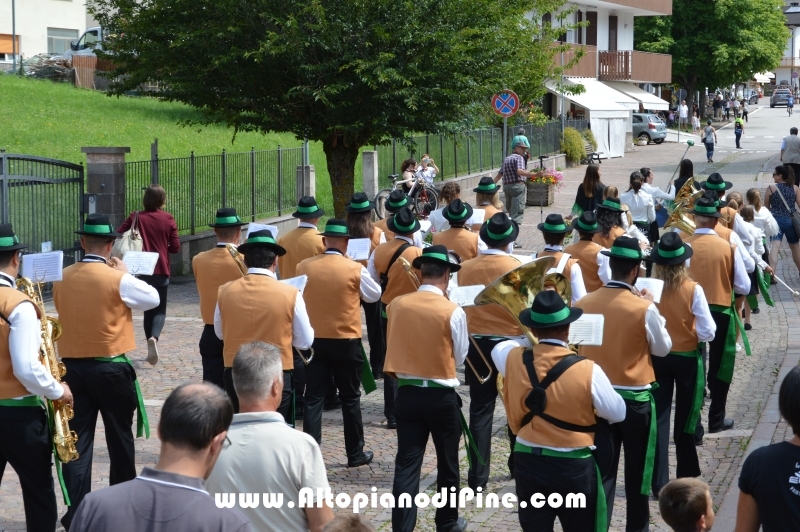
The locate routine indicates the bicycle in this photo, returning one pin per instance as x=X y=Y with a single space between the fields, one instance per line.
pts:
x=424 y=199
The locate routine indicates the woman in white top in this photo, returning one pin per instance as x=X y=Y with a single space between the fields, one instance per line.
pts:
x=640 y=203
x=762 y=218
x=659 y=198
x=757 y=250
x=427 y=169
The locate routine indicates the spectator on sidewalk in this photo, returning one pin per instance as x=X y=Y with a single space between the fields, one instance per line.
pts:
x=696 y=121
x=427 y=169
x=744 y=110
x=590 y=192
x=790 y=151
x=783 y=190
x=727 y=106
x=710 y=140
x=683 y=114
x=514 y=176
x=768 y=483
x=686 y=505
x=736 y=106
x=520 y=137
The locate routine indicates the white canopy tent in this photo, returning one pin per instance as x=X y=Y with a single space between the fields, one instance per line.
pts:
x=648 y=100
x=764 y=77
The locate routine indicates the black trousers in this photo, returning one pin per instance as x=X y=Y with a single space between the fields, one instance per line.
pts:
x=719 y=389
x=679 y=373
x=211 y=354
x=154 y=318
x=342 y=358
x=421 y=412
x=26 y=445
x=389 y=383
x=547 y=474
x=482 y=399
x=107 y=388
x=377 y=352
x=286 y=399
x=631 y=433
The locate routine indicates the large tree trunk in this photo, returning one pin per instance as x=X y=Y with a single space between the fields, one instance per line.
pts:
x=341 y=160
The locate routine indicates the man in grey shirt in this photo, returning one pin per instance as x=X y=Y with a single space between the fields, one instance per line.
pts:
x=171 y=497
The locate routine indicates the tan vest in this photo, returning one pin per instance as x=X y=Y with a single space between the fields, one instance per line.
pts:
x=419 y=338
x=95 y=320
x=381 y=224
x=727 y=219
x=300 y=243
x=723 y=232
x=10 y=387
x=491 y=210
x=461 y=240
x=711 y=265
x=615 y=232
x=569 y=398
x=374 y=242
x=676 y=308
x=585 y=251
x=625 y=353
x=332 y=295
x=399 y=281
x=257 y=308
x=212 y=269
x=491 y=319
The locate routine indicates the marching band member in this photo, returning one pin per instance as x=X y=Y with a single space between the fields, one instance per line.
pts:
x=684 y=306
x=395 y=281
x=610 y=220
x=427 y=402
x=734 y=237
x=719 y=269
x=212 y=269
x=593 y=264
x=633 y=331
x=23 y=380
x=489 y=324
x=396 y=201
x=554 y=229
x=336 y=286
x=458 y=238
x=303 y=241
x=94 y=337
x=486 y=198
x=258 y=307
x=553 y=449
x=717 y=185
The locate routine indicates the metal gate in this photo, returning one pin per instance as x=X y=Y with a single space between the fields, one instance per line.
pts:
x=42 y=198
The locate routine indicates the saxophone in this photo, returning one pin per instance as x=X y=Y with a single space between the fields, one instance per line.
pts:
x=64 y=439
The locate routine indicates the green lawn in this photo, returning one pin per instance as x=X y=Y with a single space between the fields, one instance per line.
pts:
x=55 y=120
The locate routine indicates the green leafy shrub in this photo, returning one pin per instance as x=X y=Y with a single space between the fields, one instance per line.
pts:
x=589 y=136
x=572 y=145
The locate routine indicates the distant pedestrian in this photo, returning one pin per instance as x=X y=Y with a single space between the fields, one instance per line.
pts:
x=717 y=106
x=736 y=106
x=520 y=137
x=709 y=139
x=744 y=110
x=738 y=129
x=696 y=121
x=790 y=104
x=727 y=108
x=514 y=175
x=683 y=114
x=790 y=151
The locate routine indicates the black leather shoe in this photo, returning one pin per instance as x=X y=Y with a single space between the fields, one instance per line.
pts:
x=699 y=432
x=726 y=425
x=747 y=326
x=366 y=457
x=756 y=310
x=460 y=525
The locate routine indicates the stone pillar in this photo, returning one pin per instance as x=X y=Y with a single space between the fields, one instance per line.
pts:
x=306 y=181
x=369 y=165
x=105 y=182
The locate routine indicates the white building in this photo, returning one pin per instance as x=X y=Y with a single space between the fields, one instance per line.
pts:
x=42 y=26
x=788 y=71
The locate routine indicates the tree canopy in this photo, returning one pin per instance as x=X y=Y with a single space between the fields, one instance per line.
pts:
x=348 y=73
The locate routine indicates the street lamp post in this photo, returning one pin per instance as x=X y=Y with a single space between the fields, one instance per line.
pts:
x=13 y=37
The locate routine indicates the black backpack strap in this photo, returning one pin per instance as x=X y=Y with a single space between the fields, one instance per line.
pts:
x=536 y=400
x=385 y=275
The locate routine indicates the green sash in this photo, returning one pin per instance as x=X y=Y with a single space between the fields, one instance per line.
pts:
x=142 y=425
x=30 y=400
x=576 y=210
x=699 y=385
x=725 y=373
x=764 y=280
x=470 y=442
x=367 y=379
x=646 y=396
x=601 y=510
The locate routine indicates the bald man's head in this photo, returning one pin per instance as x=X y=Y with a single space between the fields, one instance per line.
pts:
x=193 y=415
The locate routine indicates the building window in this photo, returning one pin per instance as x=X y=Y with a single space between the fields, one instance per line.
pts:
x=58 y=40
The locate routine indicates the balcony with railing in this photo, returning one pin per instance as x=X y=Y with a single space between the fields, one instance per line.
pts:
x=789 y=62
x=586 y=67
x=660 y=7
x=632 y=65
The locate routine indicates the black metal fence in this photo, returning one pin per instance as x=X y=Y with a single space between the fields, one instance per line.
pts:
x=259 y=184
x=470 y=151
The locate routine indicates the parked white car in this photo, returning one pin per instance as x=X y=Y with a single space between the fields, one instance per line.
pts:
x=91 y=40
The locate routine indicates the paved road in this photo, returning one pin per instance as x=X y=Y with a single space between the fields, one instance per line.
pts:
x=721 y=455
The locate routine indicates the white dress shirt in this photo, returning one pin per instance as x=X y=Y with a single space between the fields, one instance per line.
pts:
x=302 y=332
x=369 y=289
x=459 y=334
x=741 y=281
x=640 y=205
x=607 y=402
x=375 y=274
x=24 y=340
x=307 y=225
x=135 y=293
x=764 y=220
x=704 y=324
x=755 y=243
x=576 y=283
x=657 y=193
x=603 y=267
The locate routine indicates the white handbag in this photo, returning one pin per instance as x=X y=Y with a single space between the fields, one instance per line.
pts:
x=130 y=240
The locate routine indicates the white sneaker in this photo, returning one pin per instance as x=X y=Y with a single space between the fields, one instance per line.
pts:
x=152 y=351
x=738 y=347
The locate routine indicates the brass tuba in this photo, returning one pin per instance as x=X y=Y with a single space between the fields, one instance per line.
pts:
x=64 y=439
x=684 y=201
x=238 y=257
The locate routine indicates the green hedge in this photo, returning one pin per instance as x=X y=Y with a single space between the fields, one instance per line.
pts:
x=572 y=145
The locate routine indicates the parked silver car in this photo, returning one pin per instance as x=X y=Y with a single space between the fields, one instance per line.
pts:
x=649 y=127
x=779 y=97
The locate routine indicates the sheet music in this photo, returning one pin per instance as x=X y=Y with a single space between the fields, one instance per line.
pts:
x=43 y=267
x=587 y=330
x=298 y=282
x=464 y=296
x=358 y=248
x=523 y=259
x=140 y=262
x=425 y=227
x=253 y=227
x=654 y=286
x=477 y=217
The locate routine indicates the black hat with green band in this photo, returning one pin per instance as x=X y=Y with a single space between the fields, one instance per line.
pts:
x=611 y=204
x=227 y=218
x=397 y=200
x=307 y=208
x=499 y=230
x=98 y=225
x=713 y=196
x=548 y=310
x=486 y=186
x=359 y=203
x=403 y=222
x=706 y=207
x=336 y=227
x=262 y=239
x=8 y=240
x=554 y=223
x=624 y=247
x=715 y=182
x=587 y=223
x=670 y=250
x=457 y=212
x=435 y=255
